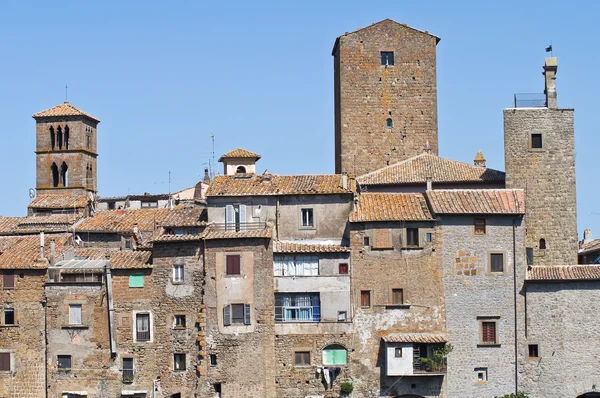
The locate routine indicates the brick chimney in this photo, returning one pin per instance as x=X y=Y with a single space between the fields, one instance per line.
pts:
x=479 y=160
x=550 y=69
x=587 y=236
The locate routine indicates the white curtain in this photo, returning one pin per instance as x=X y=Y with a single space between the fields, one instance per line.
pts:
x=75 y=314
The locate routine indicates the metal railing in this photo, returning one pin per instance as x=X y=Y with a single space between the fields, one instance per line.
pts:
x=128 y=375
x=422 y=367
x=142 y=336
x=530 y=100
x=242 y=226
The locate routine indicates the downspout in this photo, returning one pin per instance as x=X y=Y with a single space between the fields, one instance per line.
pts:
x=277 y=219
x=111 y=310
x=515 y=303
x=45 y=305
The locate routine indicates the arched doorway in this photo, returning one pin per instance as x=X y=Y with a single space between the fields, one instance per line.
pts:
x=590 y=395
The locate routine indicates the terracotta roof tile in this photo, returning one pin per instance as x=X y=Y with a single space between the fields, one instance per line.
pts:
x=417 y=169
x=390 y=207
x=94 y=253
x=211 y=233
x=297 y=247
x=123 y=220
x=415 y=338
x=23 y=251
x=186 y=217
x=9 y=225
x=59 y=201
x=477 y=201
x=563 y=272
x=240 y=153
x=256 y=185
x=65 y=109
x=127 y=259
x=585 y=247
x=178 y=238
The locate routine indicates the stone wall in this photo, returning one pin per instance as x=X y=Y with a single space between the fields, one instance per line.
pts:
x=367 y=93
x=548 y=177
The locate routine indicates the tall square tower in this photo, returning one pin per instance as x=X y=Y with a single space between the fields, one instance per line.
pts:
x=385 y=96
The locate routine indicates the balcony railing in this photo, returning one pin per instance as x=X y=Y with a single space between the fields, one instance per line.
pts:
x=426 y=367
x=242 y=226
x=530 y=100
x=142 y=336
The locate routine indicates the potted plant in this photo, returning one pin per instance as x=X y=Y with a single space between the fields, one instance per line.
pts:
x=437 y=362
x=346 y=388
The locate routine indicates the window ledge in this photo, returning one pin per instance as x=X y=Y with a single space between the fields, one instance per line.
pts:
x=9 y=326
x=75 y=327
x=481 y=345
x=177 y=283
x=179 y=328
x=397 y=306
x=412 y=248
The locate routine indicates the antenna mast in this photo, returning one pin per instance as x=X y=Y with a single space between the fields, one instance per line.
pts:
x=212 y=170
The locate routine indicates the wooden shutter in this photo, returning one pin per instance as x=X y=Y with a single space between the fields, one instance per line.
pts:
x=480 y=226
x=229 y=218
x=136 y=280
x=227 y=315
x=488 y=332
x=4 y=361
x=8 y=281
x=247 y=319
x=242 y=210
x=397 y=296
x=412 y=237
x=365 y=298
x=233 y=265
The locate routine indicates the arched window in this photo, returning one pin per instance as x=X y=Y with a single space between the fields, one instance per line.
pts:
x=335 y=354
x=64 y=177
x=59 y=137
x=66 y=137
x=240 y=169
x=52 y=137
x=542 y=244
x=54 y=171
x=389 y=123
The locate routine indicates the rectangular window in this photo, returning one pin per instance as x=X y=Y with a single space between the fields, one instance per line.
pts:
x=428 y=237
x=398 y=352
x=236 y=314
x=8 y=281
x=142 y=325
x=75 y=314
x=178 y=273
x=127 y=370
x=297 y=307
x=529 y=254
x=343 y=269
x=488 y=332
x=63 y=362
x=178 y=361
x=397 y=296
x=302 y=358
x=480 y=226
x=149 y=204
x=136 y=280
x=342 y=315
x=292 y=265
x=412 y=237
x=481 y=374
x=128 y=243
x=9 y=316
x=233 y=265
x=366 y=241
x=307 y=218
x=4 y=361
x=387 y=58
x=179 y=322
x=213 y=359
x=533 y=351
x=536 y=141
x=235 y=218
x=365 y=298
x=496 y=262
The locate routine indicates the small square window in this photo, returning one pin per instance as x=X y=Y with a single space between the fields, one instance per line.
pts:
x=366 y=241
x=480 y=226
x=136 y=280
x=179 y=362
x=63 y=362
x=533 y=351
x=213 y=359
x=307 y=218
x=302 y=358
x=428 y=237
x=342 y=316
x=536 y=141
x=233 y=265
x=398 y=352
x=387 y=58
x=343 y=269
x=4 y=361
x=9 y=316
x=178 y=273
x=365 y=298
x=496 y=262
x=179 y=322
x=128 y=243
x=482 y=375
x=397 y=296
x=8 y=281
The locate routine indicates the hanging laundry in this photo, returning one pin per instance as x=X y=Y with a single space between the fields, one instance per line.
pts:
x=326 y=377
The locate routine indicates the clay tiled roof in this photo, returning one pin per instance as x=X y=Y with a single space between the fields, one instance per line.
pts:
x=123 y=220
x=9 y=225
x=417 y=169
x=186 y=217
x=178 y=238
x=23 y=251
x=65 y=109
x=585 y=247
x=563 y=273
x=130 y=260
x=390 y=207
x=240 y=153
x=415 y=338
x=477 y=201
x=219 y=234
x=297 y=247
x=59 y=201
x=94 y=253
x=257 y=185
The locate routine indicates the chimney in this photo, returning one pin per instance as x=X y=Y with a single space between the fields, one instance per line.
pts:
x=206 y=176
x=42 y=244
x=429 y=183
x=135 y=229
x=52 y=251
x=587 y=236
x=479 y=160
x=344 y=181
x=352 y=182
x=550 y=69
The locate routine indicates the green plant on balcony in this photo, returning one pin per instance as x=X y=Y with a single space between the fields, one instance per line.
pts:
x=346 y=388
x=437 y=361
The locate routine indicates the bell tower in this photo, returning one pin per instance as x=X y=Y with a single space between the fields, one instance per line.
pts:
x=66 y=151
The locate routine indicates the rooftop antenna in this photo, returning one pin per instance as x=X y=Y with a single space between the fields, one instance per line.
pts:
x=66 y=93
x=168 y=182
x=212 y=165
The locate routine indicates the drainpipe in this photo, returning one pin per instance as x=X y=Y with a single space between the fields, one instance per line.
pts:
x=52 y=252
x=515 y=303
x=111 y=309
x=277 y=219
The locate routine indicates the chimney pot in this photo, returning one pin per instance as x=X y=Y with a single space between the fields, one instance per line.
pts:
x=587 y=235
x=550 y=70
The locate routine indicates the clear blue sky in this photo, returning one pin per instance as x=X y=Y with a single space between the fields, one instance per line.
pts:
x=163 y=76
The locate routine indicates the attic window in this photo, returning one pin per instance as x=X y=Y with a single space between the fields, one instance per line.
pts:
x=387 y=58
x=240 y=170
x=389 y=123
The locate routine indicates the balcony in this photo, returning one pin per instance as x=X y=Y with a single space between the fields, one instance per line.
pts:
x=530 y=100
x=416 y=359
x=237 y=227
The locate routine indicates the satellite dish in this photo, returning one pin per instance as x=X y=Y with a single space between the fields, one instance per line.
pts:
x=31 y=193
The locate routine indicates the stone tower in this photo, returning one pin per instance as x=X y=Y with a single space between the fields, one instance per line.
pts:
x=539 y=148
x=66 y=151
x=385 y=96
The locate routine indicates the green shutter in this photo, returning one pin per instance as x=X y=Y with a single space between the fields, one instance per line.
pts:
x=334 y=357
x=136 y=280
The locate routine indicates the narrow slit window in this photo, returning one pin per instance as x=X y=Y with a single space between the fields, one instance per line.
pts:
x=9 y=316
x=389 y=123
x=480 y=226
x=542 y=244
